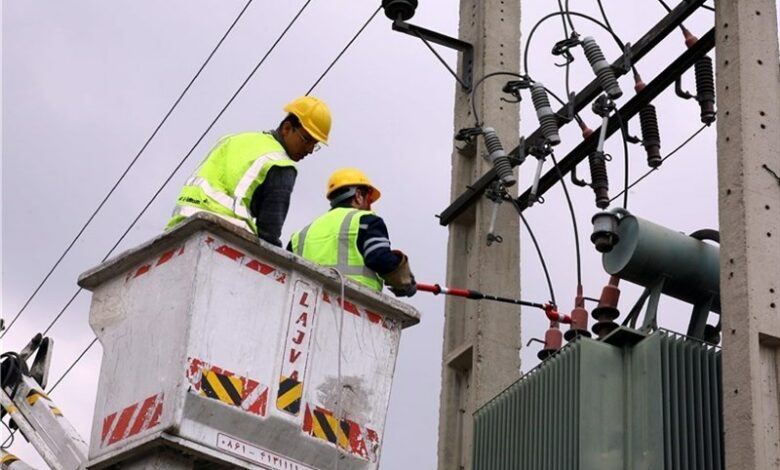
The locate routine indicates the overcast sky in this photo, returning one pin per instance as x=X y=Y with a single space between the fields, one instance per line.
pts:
x=86 y=82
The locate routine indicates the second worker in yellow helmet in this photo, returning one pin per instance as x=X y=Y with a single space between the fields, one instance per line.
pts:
x=353 y=239
x=248 y=178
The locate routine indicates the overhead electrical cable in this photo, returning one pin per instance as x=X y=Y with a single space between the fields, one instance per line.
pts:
x=371 y=18
x=538 y=250
x=573 y=218
x=567 y=73
x=604 y=15
x=472 y=95
x=192 y=149
x=558 y=13
x=686 y=142
x=127 y=170
x=73 y=364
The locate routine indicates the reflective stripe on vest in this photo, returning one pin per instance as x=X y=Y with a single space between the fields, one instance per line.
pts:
x=254 y=172
x=226 y=180
x=182 y=212
x=360 y=273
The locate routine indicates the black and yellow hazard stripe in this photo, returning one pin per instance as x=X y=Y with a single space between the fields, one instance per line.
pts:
x=225 y=388
x=34 y=396
x=289 y=397
x=326 y=426
x=7 y=459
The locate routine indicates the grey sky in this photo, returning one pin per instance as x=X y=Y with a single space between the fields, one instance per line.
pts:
x=86 y=82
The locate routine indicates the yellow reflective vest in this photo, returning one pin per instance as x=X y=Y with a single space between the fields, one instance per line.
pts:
x=331 y=241
x=226 y=180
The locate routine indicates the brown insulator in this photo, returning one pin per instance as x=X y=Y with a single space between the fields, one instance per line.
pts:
x=690 y=39
x=553 y=340
x=579 y=318
x=607 y=310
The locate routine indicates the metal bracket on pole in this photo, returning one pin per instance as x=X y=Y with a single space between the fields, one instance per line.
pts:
x=466 y=73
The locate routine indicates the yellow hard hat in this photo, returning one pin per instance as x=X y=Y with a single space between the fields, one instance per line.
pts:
x=345 y=177
x=313 y=114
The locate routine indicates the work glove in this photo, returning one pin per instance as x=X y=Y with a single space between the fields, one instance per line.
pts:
x=407 y=290
x=401 y=280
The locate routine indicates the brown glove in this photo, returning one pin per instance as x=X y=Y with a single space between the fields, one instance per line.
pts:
x=401 y=280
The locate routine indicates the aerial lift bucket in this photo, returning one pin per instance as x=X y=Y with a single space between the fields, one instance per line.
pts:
x=238 y=354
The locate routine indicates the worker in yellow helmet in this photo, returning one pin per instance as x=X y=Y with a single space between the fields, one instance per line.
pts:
x=248 y=178
x=353 y=239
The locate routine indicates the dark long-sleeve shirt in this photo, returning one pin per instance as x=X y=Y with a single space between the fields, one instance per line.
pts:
x=373 y=242
x=271 y=201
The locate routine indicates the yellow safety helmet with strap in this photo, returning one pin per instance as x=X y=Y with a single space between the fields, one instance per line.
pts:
x=313 y=114
x=346 y=177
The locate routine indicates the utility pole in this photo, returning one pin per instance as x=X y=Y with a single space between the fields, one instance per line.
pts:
x=481 y=339
x=748 y=84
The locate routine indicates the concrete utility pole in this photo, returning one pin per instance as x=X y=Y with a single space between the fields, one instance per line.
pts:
x=748 y=83
x=481 y=339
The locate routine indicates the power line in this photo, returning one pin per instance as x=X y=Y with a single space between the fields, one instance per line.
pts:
x=538 y=249
x=573 y=219
x=662 y=160
x=202 y=136
x=127 y=170
x=94 y=340
x=371 y=18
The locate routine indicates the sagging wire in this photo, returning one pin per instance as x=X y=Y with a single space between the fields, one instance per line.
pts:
x=604 y=15
x=686 y=142
x=370 y=19
x=567 y=65
x=477 y=122
x=554 y=14
x=568 y=16
x=11 y=437
x=127 y=170
x=189 y=153
x=538 y=250
x=573 y=218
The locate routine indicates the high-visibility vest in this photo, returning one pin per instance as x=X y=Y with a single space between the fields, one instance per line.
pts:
x=331 y=240
x=224 y=183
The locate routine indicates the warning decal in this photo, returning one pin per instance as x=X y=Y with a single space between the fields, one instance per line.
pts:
x=349 y=307
x=289 y=396
x=344 y=433
x=33 y=397
x=229 y=388
x=132 y=420
x=164 y=258
x=296 y=349
x=246 y=261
